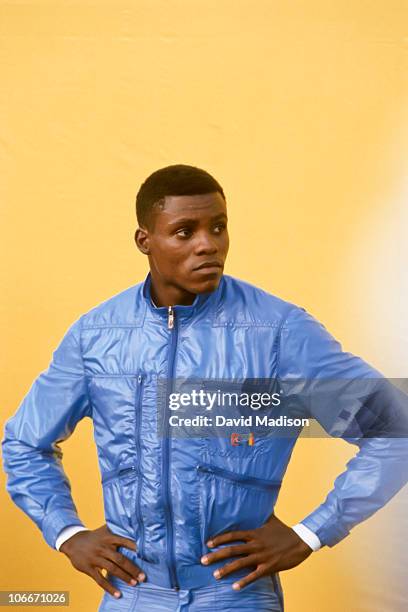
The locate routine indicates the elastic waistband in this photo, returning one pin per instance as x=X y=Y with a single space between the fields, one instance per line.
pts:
x=188 y=576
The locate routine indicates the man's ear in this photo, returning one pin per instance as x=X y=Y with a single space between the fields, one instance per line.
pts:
x=142 y=240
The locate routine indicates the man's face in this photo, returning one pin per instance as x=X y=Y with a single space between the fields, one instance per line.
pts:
x=188 y=242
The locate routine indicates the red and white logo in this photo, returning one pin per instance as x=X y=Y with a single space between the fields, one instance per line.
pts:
x=238 y=439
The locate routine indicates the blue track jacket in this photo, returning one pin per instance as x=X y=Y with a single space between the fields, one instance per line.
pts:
x=170 y=494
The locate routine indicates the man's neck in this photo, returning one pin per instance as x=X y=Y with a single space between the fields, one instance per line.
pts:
x=169 y=296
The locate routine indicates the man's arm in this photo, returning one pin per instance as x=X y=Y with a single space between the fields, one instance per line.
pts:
x=353 y=400
x=349 y=398
x=37 y=483
x=32 y=459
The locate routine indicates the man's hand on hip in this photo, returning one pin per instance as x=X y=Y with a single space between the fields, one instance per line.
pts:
x=271 y=548
x=91 y=551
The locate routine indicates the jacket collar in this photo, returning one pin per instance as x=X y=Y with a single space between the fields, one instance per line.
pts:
x=201 y=302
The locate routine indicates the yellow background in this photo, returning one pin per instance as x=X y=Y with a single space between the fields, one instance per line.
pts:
x=299 y=109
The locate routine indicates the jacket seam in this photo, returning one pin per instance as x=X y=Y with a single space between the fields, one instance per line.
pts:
x=233 y=323
x=279 y=339
x=127 y=375
x=215 y=324
x=79 y=343
x=112 y=326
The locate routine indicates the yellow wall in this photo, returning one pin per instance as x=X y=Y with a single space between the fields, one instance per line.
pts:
x=299 y=109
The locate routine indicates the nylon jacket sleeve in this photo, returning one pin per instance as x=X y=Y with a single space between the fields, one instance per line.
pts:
x=32 y=458
x=352 y=400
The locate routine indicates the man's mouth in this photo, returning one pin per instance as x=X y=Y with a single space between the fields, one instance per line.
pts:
x=209 y=265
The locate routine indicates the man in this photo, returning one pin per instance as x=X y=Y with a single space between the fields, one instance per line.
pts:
x=189 y=520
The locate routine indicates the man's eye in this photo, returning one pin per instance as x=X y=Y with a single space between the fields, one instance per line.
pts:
x=184 y=233
x=218 y=228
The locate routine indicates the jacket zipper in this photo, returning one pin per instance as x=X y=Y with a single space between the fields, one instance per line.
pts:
x=138 y=418
x=251 y=481
x=166 y=452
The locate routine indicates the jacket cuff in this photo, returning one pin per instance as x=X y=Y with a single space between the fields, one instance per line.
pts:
x=329 y=532
x=56 y=521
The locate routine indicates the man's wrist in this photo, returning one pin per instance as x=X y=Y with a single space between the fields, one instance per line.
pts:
x=67 y=533
x=308 y=536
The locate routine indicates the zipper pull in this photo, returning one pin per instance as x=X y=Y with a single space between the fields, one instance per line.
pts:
x=170 y=317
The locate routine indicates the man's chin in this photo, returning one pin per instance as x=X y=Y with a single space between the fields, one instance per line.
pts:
x=206 y=286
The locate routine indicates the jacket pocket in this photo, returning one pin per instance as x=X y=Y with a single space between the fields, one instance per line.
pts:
x=231 y=501
x=119 y=494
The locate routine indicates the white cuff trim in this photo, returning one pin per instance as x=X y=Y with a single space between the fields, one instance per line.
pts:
x=307 y=536
x=67 y=533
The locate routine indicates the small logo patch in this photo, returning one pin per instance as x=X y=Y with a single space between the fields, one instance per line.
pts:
x=237 y=439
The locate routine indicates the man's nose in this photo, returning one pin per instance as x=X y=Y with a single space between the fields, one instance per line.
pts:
x=206 y=244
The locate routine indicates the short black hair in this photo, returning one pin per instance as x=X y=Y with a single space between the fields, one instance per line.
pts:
x=175 y=180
